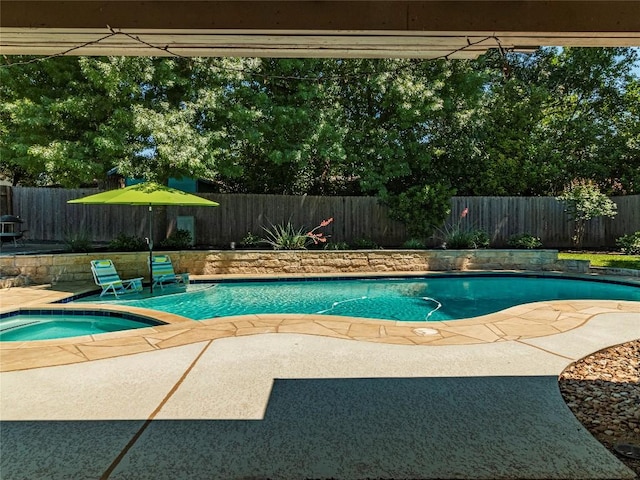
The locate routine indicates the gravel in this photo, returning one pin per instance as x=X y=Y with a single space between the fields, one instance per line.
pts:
x=603 y=392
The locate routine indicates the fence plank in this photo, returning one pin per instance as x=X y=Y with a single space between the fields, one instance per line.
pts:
x=49 y=218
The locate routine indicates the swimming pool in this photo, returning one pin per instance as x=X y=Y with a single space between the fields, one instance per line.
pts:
x=433 y=298
x=27 y=325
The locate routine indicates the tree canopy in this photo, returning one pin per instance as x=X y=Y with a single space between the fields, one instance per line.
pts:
x=406 y=130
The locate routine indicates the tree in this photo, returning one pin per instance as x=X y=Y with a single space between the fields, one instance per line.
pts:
x=59 y=123
x=421 y=208
x=507 y=124
x=410 y=133
x=283 y=132
x=169 y=138
x=584 y=201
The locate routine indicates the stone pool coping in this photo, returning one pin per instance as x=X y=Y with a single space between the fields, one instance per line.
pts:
x=513 y=324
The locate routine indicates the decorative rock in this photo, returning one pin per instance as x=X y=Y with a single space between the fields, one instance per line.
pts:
x=613 y=377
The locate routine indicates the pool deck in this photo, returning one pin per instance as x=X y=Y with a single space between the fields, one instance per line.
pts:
x=306 y=396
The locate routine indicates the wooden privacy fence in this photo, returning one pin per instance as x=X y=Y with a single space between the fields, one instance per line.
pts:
x=49 y=218
x=544 y=217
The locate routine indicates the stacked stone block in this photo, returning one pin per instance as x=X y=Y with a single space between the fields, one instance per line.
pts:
x=74 y=267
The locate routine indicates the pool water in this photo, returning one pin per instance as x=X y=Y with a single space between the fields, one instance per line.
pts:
x=405 y=299
x=37 y=326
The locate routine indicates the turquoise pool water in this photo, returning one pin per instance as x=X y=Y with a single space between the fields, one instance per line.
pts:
x=29 y=326
x=408 y=299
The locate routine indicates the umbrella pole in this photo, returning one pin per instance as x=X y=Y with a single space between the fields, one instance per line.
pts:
x=150 y=243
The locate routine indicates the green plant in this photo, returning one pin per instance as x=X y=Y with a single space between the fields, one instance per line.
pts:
x=459 y=235
x=250 y=240
x=630 y=243
x=78 y=242
x=337 y=246
x=127 y=243
x=420 y=208
x=180 y=239
x=365 y=244
x=414 y=244
x=287 y=237
x=480 y=239
x=457 y=240
x=583 y=201
x=524 y=240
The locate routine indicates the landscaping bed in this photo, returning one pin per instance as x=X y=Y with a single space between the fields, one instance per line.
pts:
x=603 y=392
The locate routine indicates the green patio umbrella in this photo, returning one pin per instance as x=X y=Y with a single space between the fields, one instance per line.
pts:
x=149 y=194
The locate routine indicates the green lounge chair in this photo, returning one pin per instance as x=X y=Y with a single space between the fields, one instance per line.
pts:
x=163 y=272
x=106 y=277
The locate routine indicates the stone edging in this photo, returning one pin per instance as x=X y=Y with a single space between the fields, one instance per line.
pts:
x=624 y=272
x=516 y=323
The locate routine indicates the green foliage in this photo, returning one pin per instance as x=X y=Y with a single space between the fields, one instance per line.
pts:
x=178 y=240
x=421 y=208
x=65 y=120
x=459 y=239
x=365 y=244
x=78 y=241
x=583 y=201
x=480 y=239
x=462 y=234
x=524 y=240
x=282 y=135
x=337 y=246
x=127 y=243
x=630 y=243
x=286 y=237
x=250 y=240
x=414 y=244
x=500 y=125
x=556 y=115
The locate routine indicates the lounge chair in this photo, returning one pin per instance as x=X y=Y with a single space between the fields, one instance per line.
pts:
x=163 y=272
x=106 y=276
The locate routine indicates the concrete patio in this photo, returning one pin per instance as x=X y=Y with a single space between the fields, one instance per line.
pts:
x=293 y=405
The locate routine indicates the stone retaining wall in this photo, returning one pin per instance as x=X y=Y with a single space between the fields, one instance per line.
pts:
x=624 y=272
x=54 y=268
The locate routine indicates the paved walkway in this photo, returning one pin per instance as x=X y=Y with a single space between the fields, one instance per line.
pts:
x=285 y=404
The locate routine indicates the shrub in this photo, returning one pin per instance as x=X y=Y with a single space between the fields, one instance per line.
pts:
x=365 y=244
x=457 y=239
x=630 y=244
x=524 y=240
x=127 y=243
x=178 y=240
x=583 y=201
x=420 y=208
x=250 y=241
x=471 y=239
x=414 y=244
x=459 y=235
x=480 y=239
x=337 y=246
x=78 y=242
